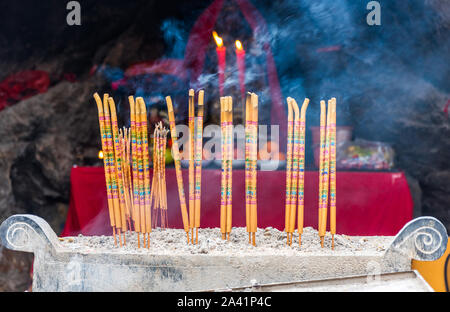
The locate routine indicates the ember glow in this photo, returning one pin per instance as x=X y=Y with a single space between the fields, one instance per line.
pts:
x=100 y=154
x=238 y=45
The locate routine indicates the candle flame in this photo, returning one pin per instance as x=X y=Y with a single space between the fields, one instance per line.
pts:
x=218 y=40
x=100 y=154
x=238 y=45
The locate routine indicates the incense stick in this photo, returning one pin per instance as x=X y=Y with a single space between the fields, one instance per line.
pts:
x=229 y=162
x=223 y=181
x=254 y=152
x=301 y=169
x=333 y=171
x=248 y=112
x=289 y=154
x=321 y=172
x=191 y=139
x=198 y=161
x=176 y=157
x=134 y=157
x=295 y=164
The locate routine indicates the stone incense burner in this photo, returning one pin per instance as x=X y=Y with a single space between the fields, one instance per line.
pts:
x=214 y=265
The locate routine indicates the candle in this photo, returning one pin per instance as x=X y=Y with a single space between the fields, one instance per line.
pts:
x=240 y=61
x=221 y=56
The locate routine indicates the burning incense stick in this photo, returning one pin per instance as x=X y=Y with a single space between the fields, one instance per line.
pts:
x=111 y=156
x=134 y=157
x=248 y=112
x=191 y=110
x=325 y=180
x=254 y=152
x=146 y=165
x=118 y=166
x=106 y=163
x=229 y=162
x=223 y=183
x=294 y=181
x=198 y=161
x=301 y=169
x=176 y=157
x=322 y=149
x=333 y=171
x=289 y=154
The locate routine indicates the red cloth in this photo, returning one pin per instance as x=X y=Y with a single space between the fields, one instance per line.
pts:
x=368 y=203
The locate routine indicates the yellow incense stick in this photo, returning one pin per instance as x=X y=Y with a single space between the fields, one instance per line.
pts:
x=176 y=157
x=229 y=131
x=254 y=203
x=295 y=163
x=289 y=154
x=301 y=169
x=321 y=173
x=223 y=186
x=198 y=160
x=191 y=110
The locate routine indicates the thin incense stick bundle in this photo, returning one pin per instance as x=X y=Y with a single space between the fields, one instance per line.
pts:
x=254 y=152
x=106 y=160
x=153 y=194
x=125 y=167
x=301 y=169
x=164 y=219
x=289 y=154
x=176 y=157
x=248 y=112
x=229 y=162
x=223 y=181
x=134 y=157
x=295 y=163
x=146 y=165
x=333 y=171
x=198 y=161
x=118 y=167
x=191 y=121
x=321 y=171
x=112 y=172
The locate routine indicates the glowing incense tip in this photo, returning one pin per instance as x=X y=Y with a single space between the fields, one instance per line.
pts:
x=100 y=155
x=238 y=45
x=218 y=40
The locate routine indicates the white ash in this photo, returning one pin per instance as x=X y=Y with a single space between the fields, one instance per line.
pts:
x=269 y=241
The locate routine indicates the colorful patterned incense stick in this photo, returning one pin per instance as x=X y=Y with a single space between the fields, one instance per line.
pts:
x=248 y=112
x=229 y=162
x=223 y=181
x=322 y=149
x=301 y=169
x=176 y=158
x=134 y=158
x=294 y=181
x=198 y=161
x=289 y=154
x=254 y=153
x=191 y=139
x=106 y=163
x=333 y=171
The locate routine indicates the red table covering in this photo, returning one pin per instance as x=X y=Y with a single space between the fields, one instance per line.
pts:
x=368 y=203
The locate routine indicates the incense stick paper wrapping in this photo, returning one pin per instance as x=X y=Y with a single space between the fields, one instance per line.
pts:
x=144 y=128
x=229 y=174
x=191 y=110
x=295 y=163
x=290 y=140
x=333 y=168
x=140 y=160
x=198 y=158
x=301 y=167
x=254 y=203
x=176 y=157
x=112 y=161
x=322 y=149
x=248 y=113
x=115 y=132
x=325 y=181
x=101 y=120
x=134 y=159
x=223 y=181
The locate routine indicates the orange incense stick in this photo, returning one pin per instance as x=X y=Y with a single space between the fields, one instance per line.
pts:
x=289 y=154
x=295 y=163
x=248 y=112
x=325 y=180
x=301 y=170
x=333 y=171
x=254 y=203
x=106 y=163
x=134 y=157
x=229 y=162
x=321 y=173
x=111 y=156
x=223 y=181
x=176 y=157
x=198 y=161
x=191 y=122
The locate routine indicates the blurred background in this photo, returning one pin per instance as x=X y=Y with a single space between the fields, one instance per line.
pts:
x=391 y=83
